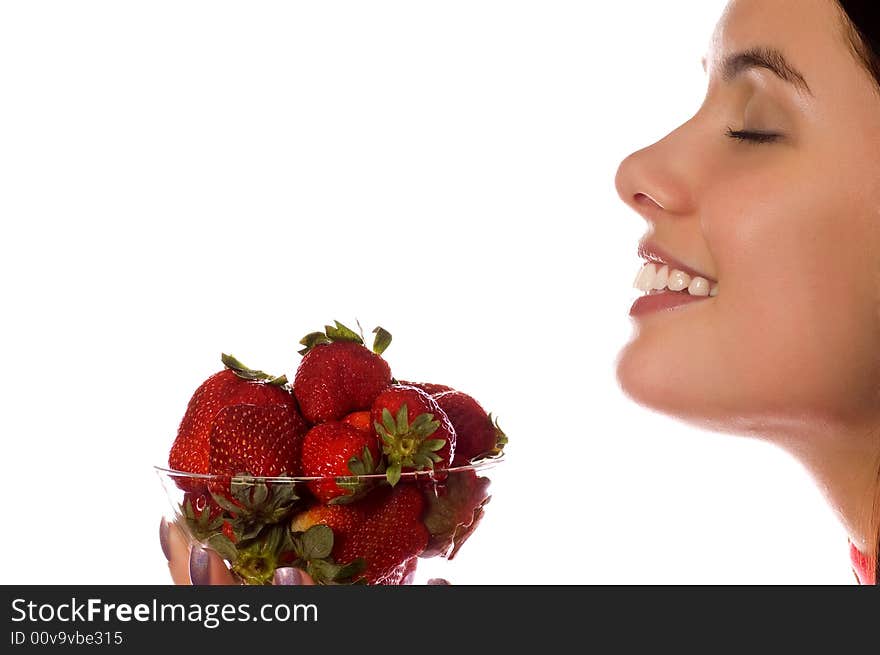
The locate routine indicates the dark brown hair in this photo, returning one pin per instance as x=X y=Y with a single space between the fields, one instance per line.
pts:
x=862 y=27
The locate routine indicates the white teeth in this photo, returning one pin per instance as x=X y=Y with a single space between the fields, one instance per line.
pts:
x=654 y=277
x=645 y=279
x=661 y=278
x=678 y=280
x=699 y=286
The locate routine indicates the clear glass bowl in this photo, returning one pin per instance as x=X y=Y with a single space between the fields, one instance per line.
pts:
x=377 y=534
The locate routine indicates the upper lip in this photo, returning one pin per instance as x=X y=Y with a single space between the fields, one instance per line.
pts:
x=651 y=252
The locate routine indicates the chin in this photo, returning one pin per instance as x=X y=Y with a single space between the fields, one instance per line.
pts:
x=663 y=387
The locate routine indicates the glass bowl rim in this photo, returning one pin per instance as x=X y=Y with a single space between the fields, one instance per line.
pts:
x=477 y=466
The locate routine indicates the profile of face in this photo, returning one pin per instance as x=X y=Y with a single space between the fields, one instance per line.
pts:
x=787 y=221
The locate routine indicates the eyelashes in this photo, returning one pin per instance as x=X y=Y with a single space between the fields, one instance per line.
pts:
x=752 y=137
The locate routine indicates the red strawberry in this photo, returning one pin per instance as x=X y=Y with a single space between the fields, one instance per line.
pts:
x=416 y=433
x=385 y=529
x=336 y=449
x=402 y=574
x=428 y=387
x=338 y=374
x=360 y=420
x=258 y=440
x=454 y=511
x=475 y=432
x=235 y=385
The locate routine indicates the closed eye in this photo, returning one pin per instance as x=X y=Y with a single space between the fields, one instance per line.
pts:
x=753 y=137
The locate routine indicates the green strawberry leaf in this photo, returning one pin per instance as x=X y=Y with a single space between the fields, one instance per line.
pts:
x=328 y=572
x=348 y=571
x=355 y=486
x=250 y=374
x=322 y=571
x=272 y=541
x=225 y=503
x=362 y=465
x=224 y=546
x=317 y=542
x=313 y=550
x=433 y=444
x=424 y=422
x=382 y=340
x=388 y=421
x=392 y=474
x=342 y=333
x=311 y=340
x=402 y=419
x=259 y=495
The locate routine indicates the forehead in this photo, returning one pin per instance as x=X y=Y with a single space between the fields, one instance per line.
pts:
x=809 y=33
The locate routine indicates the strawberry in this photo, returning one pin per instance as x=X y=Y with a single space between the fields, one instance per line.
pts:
x=240 y=421
x=416 y=434
x=235 y=385
x=256 y=440
x=384 y=529
x=338 y=374
x=476 y=434
x=360 y=420
x=429 y=388
x=402 y=574
x=337 y=449
x=454 y=511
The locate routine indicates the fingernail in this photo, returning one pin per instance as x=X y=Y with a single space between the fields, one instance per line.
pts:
x=439 y=581
x=199 y=565
x=163 y=538
x=287 y=575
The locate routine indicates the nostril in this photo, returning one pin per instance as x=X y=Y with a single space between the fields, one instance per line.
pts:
x=645 y=200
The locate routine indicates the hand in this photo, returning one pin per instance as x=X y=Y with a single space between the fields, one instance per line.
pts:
x=189 y=563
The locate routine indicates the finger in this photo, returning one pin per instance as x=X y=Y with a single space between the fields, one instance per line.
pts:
x=207 y=568
x=287 y=575
x=176 y=548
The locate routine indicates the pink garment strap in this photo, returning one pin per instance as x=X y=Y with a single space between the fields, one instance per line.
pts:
x=863 y=566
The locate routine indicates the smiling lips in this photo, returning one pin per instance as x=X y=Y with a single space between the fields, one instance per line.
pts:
x=655 y=276
x=668 y=283
x=663 y=271
x=652 y=252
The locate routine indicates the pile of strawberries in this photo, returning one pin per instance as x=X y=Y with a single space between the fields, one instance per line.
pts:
x=388 y=464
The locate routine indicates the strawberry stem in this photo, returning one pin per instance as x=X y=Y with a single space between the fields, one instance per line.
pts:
x=340 y=332
x=250 y=374
x=407 y=445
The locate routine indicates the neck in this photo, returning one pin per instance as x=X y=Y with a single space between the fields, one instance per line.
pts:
x=845 y=463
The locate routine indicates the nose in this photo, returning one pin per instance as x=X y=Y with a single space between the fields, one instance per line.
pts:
x=654 y=181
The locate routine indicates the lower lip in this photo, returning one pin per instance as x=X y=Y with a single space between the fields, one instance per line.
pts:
x=656 y=302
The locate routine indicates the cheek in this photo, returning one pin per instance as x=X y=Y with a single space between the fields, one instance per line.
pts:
x=799 y=319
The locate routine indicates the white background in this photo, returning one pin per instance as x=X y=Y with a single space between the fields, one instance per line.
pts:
x=179 y=179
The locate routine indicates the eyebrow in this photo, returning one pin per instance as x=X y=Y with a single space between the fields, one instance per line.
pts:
x=772 y=59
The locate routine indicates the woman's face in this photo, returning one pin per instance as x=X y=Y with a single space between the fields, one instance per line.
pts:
x=790 y=229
